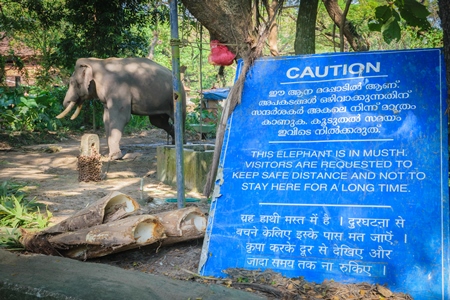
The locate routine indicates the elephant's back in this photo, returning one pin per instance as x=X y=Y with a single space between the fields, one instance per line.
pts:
x=147 y=84
x=136 y=67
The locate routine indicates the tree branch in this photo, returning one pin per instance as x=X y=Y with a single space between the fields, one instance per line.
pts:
x=357 y=42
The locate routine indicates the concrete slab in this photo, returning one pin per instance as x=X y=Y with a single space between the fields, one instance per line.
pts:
x=197 y=162
x=24 y=277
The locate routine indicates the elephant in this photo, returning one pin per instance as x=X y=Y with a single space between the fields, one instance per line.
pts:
x=125 y=86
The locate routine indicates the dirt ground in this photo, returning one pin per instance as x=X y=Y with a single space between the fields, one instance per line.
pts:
x=50 y=173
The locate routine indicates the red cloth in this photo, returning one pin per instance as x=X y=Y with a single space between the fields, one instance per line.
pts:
x=220 y=55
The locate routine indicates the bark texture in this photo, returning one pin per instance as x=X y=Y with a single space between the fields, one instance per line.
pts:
x=305 y=37
x=273 y=30
x=182 y=225
x=107 y=227
x=357 y=42
x=230 y=22
x=113 y=206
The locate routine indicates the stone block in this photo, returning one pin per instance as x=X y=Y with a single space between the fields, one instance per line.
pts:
x=88 y=142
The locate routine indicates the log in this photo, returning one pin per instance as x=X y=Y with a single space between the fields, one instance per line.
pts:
x=107 y=227
x=129 y=233
x=117 y=236
x=183 y=224
x=112 y=207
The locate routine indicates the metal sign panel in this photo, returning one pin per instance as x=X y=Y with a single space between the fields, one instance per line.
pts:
x=335 y=167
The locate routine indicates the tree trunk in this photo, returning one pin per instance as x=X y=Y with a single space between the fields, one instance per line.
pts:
x=444 y=14
x=305 y=37
x=151 y=49
x=230 y=22
x=354 y=39
x=273 y=30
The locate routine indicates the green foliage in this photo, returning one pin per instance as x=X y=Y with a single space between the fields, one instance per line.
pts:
x=9 y=239
x=199 y=115
x=243 y=280
x=16 y=211
x=38 y=24
x=362 y=15
x=103 y=28
x=388 y=18
x=15 y=63
x=61 y=31
x=137 y=123
x=30 y=109
x=202 y=116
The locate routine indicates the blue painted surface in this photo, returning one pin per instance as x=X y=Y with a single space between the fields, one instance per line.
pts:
x=216 y=94
x=335 y=167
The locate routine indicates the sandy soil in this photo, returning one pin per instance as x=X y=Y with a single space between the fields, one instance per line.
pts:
x=50 y=173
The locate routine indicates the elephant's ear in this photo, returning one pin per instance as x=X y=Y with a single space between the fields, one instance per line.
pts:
x=87 y=75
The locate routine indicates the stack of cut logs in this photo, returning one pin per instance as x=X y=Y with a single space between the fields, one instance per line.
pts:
x=114 y=224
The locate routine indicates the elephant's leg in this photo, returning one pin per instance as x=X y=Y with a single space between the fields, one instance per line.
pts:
x=114 y=125
x=162 y=121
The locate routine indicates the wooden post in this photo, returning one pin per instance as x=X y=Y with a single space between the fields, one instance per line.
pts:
x=17 y=81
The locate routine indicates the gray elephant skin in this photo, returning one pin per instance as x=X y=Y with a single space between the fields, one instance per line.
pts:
x=125 y=86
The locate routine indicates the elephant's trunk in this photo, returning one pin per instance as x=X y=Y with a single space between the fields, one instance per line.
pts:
x=66 y=111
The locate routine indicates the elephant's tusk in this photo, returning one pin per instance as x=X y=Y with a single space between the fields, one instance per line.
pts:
x=66 y=111
x=77 y=112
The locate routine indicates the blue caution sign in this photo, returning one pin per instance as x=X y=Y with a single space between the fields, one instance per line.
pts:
x=335 y=167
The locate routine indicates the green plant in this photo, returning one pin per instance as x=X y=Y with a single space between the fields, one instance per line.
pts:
x=243 y=280
x=30 y=108
x=10 y=188
x=390 y=18
x=200 y=115
x=16 y=211
x=137 y=123
x=9 y=239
